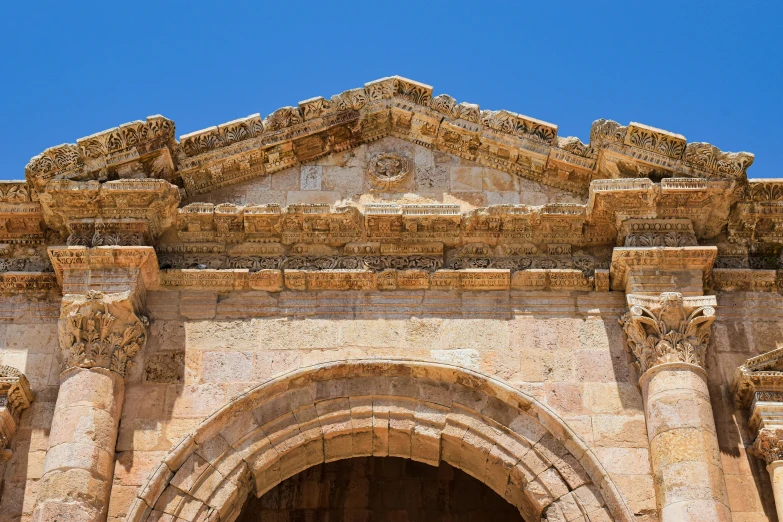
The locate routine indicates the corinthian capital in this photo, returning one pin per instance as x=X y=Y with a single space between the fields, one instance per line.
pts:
x=768 y=445
x=100 y=330
x=668 y=328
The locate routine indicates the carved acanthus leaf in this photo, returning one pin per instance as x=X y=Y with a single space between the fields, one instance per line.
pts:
x=768 y=445
x=667 y=331
x=99 y=331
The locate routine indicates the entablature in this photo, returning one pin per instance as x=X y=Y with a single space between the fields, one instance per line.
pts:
x=642 y=187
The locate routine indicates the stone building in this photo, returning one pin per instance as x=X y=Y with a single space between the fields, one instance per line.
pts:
x=387 y=305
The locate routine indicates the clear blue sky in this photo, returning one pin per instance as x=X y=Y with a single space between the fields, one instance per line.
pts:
x=712 y=71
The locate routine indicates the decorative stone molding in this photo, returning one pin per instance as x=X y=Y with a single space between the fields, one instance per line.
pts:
x=368 y=280
x=249 y=147
x=758 y=387
x=669 y=328
x=657 y=233
x=100 y=331
x=135 y=149
x=15 y=397
x=91 y=194
x=127 y=212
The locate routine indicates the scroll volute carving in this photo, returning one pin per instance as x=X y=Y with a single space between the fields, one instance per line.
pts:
x=100 y=330
x=15 y=397
x=669 y=328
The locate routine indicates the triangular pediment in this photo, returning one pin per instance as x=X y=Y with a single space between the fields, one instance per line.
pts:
x=253 y=147
x=389 y=170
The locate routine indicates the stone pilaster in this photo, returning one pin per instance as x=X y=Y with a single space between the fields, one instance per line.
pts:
x=15 y=397
x=667 y=330
x=758 y=388
x=100 y=333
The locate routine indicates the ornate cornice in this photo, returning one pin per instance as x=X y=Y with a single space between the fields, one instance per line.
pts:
x=126 y=212
x=668 y=328
x=139 y=149
x=249 y=147
x=626 y=259
x=15 y=397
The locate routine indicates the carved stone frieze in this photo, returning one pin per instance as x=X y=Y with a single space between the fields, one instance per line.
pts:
x=645 y=187
x=128 y=212
x=272 y=280
x=15 y=397
x=744 y=279
x=137 y=263
x=668 y=328
x=657 y=233
x=100 y=330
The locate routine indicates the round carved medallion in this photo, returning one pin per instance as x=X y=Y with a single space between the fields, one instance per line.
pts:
x=388 y=169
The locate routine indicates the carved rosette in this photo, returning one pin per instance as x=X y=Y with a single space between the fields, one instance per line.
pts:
x=667 y=329
x=101 y=331
x=768 y=445
x=389 y=169
x=15 y=397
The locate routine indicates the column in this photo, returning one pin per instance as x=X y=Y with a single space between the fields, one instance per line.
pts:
x=99 y=335
x=668 y=334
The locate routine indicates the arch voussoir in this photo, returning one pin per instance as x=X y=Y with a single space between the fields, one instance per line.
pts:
x=429 y=413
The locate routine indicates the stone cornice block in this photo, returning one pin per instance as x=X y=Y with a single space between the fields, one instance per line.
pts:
x=625 y=259
x=126 y=212
x=135 y=149
x=79 y=258
x=763 y=373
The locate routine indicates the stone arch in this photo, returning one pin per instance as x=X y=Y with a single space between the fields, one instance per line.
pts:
x=381 y=407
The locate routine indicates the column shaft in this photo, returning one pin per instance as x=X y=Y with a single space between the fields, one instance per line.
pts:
x=776 y=477
x=683 y=444
x=79 y=464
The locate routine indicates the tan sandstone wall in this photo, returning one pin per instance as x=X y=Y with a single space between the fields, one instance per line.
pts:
x=565 y=349
x=28 y=342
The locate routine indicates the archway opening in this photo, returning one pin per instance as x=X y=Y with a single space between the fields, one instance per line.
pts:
x=425 y=412
x=379 y=489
